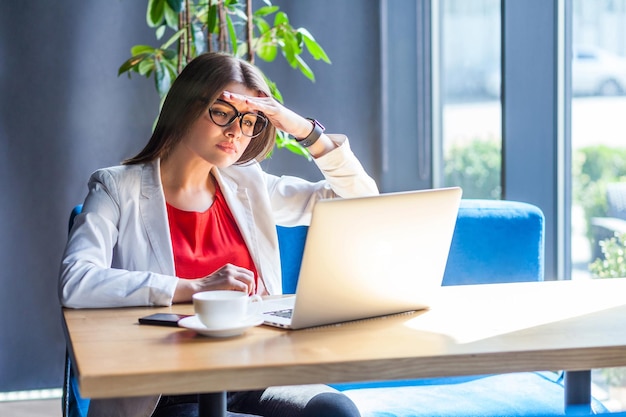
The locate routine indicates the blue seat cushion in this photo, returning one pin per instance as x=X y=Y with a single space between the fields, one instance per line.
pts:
x=516 y=394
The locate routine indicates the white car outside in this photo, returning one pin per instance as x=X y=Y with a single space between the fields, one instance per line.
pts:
x=598 y=72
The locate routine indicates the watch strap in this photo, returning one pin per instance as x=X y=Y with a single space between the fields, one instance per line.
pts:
x=315 y=134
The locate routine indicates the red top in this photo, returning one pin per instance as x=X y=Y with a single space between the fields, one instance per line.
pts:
x=205 y=242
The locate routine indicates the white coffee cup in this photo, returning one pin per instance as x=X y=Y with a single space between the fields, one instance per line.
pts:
x=217 y=309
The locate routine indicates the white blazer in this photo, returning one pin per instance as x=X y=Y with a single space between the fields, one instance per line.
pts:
x=119 y=252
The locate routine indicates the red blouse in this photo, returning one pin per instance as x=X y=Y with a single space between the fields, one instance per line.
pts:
x=204 y=242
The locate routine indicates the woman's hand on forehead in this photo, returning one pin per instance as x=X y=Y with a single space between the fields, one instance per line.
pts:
x=281 y=117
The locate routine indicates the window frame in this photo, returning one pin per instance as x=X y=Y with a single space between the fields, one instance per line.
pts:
x=536 y=109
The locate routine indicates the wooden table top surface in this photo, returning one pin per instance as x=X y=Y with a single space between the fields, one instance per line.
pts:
x=475 y=329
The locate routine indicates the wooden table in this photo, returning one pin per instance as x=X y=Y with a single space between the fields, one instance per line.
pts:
x=476 y=329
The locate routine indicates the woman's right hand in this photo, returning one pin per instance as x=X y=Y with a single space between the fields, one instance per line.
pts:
x=228 y=277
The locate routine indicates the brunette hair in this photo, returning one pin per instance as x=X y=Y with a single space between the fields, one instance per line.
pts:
x=200 y=83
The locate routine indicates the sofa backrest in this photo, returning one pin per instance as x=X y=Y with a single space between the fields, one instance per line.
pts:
x=494 y=241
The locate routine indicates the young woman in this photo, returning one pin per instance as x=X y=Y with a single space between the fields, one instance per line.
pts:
x=194 y=211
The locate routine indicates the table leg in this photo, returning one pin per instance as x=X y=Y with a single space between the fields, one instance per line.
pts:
x=212 y=404
x=578 y=390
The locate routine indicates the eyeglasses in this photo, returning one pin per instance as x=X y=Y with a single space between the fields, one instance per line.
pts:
x=224 y=114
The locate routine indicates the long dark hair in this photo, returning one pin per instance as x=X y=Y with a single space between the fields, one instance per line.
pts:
x=195 y=88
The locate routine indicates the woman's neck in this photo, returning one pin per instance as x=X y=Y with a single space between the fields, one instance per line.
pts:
x=187 y=183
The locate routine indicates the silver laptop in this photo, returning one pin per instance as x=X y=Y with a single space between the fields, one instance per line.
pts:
x=370 y=256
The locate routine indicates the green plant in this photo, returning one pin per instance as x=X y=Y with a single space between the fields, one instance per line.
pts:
x=230 y=26
x=593 y=167
x=614 y=263
x=612 y=266
x=475 y=167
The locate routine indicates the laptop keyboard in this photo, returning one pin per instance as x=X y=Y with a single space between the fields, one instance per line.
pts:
x=282 y=313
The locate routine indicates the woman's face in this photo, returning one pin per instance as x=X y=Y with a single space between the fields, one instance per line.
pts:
x=219 y=146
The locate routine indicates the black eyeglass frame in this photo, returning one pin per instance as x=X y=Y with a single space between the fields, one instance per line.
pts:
x=239 y=116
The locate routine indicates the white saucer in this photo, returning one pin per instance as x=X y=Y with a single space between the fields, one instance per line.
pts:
x=194 y=323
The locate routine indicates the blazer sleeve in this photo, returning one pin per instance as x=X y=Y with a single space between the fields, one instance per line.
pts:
x=343 y=171
x=95 y=272
x=293 y=198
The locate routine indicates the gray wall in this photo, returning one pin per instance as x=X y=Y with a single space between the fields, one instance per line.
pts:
x=64 y=113
x=346 y=94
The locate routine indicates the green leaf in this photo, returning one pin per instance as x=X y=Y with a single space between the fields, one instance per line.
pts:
x=132 y=63
x=304 y=68
x=281 y=19
x=262 y=26
x=212 y=20
x=291 y=39
x=155 y=12
x=162 y=78
x=141 y=49
x=240 y=14
x=232 y=34
x=171 y=65
x=160 y=31
x=171 y=17
x=314 y=48
x=267 y=52
x=169 y=54
x=145 y=67
x=125 y=67
x=176 y=5
x=265 y=10
x=289 y=54
x=305 y=34
x=266 y=49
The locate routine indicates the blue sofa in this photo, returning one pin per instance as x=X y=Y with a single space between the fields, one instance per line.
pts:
x=494 y=241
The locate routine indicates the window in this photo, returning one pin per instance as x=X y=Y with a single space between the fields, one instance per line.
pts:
x=547 y=100
x=470 y=96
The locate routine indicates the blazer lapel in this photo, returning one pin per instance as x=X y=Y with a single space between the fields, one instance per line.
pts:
x=154 y=216
x=238 y=200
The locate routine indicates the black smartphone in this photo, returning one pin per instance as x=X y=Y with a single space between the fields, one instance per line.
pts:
x=162 y=319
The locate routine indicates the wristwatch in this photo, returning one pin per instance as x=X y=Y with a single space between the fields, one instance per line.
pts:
x=315 y=134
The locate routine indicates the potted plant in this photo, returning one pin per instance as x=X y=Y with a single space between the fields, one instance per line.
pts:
x=230 y=26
